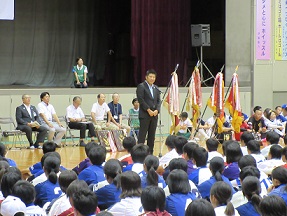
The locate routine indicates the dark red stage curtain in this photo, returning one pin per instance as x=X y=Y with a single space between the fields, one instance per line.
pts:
x=160 y=38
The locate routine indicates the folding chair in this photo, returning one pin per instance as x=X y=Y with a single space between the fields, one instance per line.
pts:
x=5 y=132
x=63 y=120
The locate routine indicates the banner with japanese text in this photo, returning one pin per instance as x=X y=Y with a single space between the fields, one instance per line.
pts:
x=280 y=28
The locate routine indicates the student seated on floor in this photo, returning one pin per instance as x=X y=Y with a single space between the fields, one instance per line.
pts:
x=202 y=173
x=279 y=181
x=212 y=146
x=138 y=153
x=185 y=126
x=244 y=139
x=94 y=174
x=165 y=159
x=272 y=206
x=128 y=144
x=253 y=148
x=188 y=149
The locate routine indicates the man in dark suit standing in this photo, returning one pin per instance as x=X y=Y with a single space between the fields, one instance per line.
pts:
x=149 y=98
x=27 y=118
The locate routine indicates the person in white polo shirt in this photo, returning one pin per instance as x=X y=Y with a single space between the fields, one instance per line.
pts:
x=98 y=112
x=50 y=120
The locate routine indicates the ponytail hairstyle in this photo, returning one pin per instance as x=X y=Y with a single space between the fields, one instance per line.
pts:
x=251 y=189
x=113 y=170
x=51 y=168
x=151 y=163
x=216 y=167
x=222 y=192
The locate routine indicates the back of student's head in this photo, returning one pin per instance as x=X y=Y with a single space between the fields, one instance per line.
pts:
x=247 y=160
x=85 y=202
x=113 y=170
x=275 y=151
x=2 y=149
x=25 y=191
x=253 y=146
x=178 y=163
x=212 y=144
x=151 y=163
x=246 y=137
x=153 y=198
x=200 y=155
x=285 y=139
x=48 y=154
x=9 y=179
x=129 y=143
x=66 y=178
x=179 y=142
x=139 y=153
x=200 y=207
x=178 y=182
x=188 y=149
x=89 y=146
x=251 y=189
x=224 y=144
x=280 y=174
x=97 y=155
x=51 y=168
x=222 y=192
x=272 y=206
x=249 y=171
x=233 y=152
x=170 y=141
x=284 y=152
x=49 y=146
x=272 y=137
x=4 y=165
x=131 y=184
x=216 y=167
x=75 y=186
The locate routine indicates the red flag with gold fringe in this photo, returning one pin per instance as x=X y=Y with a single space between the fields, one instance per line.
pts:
x=171 y=102
x=233 y=104
x=216 y=101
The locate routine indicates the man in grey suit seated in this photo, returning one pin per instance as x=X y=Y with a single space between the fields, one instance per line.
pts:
x=27 y=118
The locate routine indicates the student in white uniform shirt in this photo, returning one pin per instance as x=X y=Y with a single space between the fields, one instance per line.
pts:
x=253 y=148
x=185 y=126
x=244 y=139
x=271 y=138
x=165 y=159
x=220 y=196
x=50 y=120
x=212 y=145
x=26 y=192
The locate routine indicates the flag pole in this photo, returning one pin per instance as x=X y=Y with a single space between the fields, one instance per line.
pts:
x=221 y=69
x=160 y=124
x=196 y=66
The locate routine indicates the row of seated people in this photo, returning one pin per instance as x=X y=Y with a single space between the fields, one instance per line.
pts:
x=259 y=123
x=235 y=183
x=45 y=121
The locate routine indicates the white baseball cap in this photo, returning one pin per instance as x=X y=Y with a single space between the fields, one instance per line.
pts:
x=12 y=205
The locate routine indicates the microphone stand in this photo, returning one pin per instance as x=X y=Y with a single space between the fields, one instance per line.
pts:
x=161 y=101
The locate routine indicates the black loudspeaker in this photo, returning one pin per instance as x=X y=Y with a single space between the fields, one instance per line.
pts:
x=200 y=35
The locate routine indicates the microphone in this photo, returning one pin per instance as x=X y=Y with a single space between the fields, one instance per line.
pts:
x=157 y=88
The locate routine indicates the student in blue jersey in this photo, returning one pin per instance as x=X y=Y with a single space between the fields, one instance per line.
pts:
x=279 y=181
x=85 y=203
x=61 y=205
x=9 y=179
x=95 y=173
x=80 y=74
x=216 y=167
x=130 y=204
x=86 y=162
x=200 y=207
x=138 y=153
x=233 y=154
x=47 y=147
x=149 y=175
x=3 y=152
x=26 y=192
x=49 y=189
x=187 y=154
x=202 y=173
x=251 y=190
x=272 y=206
x=253 y=148
x=153 y=201
x=109 y=193
x=220 y=196
x=41 y=176
x=180 y=193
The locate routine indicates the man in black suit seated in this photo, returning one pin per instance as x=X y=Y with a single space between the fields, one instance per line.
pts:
x=149 y=98
x=27 y=118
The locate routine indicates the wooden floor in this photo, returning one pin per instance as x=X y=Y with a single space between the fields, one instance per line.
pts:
x=71 y=156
